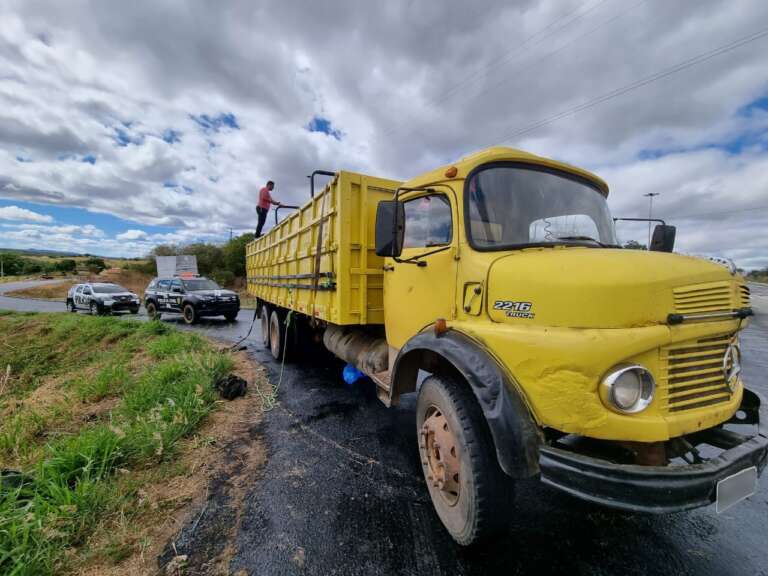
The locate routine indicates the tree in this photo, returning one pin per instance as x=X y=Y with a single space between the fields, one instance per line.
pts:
x=635 y=245
x=66 y=265
x=95 y=265
x=13 y=264
x=234 y=254
x=165 y=250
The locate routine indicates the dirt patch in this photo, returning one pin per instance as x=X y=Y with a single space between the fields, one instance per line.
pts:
x=48 y=292
x=195 y=513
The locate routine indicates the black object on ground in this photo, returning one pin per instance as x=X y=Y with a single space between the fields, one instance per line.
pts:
x=231 y=387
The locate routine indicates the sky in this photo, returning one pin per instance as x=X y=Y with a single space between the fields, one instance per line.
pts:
x=128 y=124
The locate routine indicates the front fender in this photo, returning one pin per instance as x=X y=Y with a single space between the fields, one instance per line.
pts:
x=514 y=432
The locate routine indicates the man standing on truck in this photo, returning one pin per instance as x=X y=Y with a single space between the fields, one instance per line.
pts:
x=262 y=207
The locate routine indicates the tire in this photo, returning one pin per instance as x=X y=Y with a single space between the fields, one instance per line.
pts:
x=230 y=317
x=71 y=306
x=189 y=313
x=152 y=311
x=276 y=335
x=94 y=309
x=476 y=503
x=265 y=325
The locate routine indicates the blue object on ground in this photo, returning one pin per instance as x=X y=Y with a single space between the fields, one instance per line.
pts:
x=351 y=374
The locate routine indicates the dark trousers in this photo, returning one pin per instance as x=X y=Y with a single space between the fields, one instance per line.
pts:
x=262 y=212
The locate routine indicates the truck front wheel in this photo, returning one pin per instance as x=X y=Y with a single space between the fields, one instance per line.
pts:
x=471 y=494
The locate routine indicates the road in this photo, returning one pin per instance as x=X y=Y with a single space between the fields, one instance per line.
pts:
x=342 y=493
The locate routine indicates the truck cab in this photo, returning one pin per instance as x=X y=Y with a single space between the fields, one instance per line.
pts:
x=539 y=348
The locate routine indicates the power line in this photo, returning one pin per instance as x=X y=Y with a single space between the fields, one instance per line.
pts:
x=538 y=60
x=721 y=212
x=482 y=72
x=543 y=57
x=715 y=213
x=685 y=64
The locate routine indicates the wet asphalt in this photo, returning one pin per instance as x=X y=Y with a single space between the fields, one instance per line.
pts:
x=341 y=493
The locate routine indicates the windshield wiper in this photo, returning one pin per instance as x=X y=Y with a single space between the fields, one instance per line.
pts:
x=589 y=238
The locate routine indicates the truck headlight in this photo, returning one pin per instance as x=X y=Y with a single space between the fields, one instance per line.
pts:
x=627 y=389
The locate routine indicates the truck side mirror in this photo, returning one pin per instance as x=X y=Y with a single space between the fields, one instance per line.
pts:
x=390 y=228
x=663 y=238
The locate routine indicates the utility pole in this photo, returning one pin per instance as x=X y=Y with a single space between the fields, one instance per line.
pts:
x=650 y=196
x=2 y=270
x=230 y=234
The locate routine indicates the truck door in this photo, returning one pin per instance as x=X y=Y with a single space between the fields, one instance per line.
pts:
x=420 y=286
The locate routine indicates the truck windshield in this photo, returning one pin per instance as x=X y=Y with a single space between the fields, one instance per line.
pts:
x=200 y=284
x=516 y=206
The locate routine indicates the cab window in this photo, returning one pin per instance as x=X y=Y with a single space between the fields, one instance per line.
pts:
x=176 y=286
x=428 y=222
x=164 y=285
x=87 y=290
x=79 y=290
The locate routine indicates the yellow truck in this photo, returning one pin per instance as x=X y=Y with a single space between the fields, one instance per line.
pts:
x=495 y=288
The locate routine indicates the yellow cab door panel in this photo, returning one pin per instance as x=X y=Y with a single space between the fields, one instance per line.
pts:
x=419 y=287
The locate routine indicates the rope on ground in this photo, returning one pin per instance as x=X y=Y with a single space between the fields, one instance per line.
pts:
x=269 y=399
x=250 y=329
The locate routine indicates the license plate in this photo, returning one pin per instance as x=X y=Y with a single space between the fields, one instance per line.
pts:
x=735 y=488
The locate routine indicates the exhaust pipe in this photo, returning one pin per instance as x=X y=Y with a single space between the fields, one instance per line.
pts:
x=366 y=352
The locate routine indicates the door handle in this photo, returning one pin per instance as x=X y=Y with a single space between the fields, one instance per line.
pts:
x=388 y=268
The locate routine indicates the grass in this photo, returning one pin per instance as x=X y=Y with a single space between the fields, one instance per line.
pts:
x=73 y=458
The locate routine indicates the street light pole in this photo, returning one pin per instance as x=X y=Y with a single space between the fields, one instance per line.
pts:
x=650 y=196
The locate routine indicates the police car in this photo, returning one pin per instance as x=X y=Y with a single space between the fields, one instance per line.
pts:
x=102 y=298
x=193 y=297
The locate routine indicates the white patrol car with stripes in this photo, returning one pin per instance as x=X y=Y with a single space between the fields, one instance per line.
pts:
x=102 y=298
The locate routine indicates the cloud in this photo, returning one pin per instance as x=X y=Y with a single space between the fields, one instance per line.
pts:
x=132 y=235
x=110 y=104
x=22 y=214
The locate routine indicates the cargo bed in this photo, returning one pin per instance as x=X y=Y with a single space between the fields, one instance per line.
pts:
x=344 y=285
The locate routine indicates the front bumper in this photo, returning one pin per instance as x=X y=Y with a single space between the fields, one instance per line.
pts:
x=660 y=489
x=217 y=308
x=121 y=306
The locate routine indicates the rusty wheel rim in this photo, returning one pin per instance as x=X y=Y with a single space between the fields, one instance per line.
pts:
x=439 y=454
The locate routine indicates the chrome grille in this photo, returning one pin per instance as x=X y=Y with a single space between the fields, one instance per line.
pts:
x=692 y=373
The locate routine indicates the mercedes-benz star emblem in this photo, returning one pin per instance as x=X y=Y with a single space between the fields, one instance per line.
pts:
x=732 y=365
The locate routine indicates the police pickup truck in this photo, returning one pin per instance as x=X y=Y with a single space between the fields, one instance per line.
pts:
x=102 y=298
x=193 y=298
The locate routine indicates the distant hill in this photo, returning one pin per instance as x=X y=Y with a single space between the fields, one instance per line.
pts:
x=53 y=253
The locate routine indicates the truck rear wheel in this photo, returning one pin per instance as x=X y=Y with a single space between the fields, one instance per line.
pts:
x=276 y=335
x=265 y=325
x=471 y=494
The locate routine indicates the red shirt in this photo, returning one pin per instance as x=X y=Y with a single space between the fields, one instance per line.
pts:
x=265 y=198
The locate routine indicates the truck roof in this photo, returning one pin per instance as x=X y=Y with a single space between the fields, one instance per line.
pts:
x=501 y=153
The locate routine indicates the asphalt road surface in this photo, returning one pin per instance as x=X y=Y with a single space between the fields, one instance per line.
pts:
x=342 y=493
